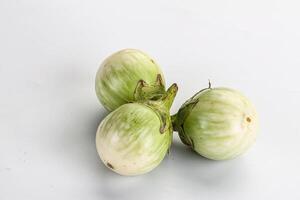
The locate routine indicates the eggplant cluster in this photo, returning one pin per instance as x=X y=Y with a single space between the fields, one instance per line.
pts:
x=217 y=123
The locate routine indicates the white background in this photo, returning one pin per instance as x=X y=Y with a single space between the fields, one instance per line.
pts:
x=51 y=50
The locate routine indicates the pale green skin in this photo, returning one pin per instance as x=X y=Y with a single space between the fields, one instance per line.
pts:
x=119 y=74
x=221 y=123
x=129 y=142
